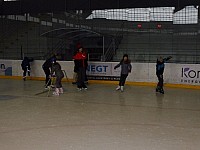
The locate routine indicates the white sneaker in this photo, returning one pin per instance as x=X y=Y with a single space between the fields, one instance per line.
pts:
x=118 y=88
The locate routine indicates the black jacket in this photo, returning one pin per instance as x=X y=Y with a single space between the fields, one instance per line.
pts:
x=26 y=62
x=160 y=66
x=48 y=63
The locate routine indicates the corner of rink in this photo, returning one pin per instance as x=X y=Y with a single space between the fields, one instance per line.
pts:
x=110 y=82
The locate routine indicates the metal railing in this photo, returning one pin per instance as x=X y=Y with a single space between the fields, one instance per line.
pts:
x=57 y=48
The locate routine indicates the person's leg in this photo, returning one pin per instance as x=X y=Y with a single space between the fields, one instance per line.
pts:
x=124 y=76
x=24 y=73
x=29 y=70
x=120 y=82
x=83 y=78
x=58 y=86
x=158 y=84
x=74 y=78
x=161 y=81
x=48 y=79
x=79 y=86
x=161 y=84
x=123 y=80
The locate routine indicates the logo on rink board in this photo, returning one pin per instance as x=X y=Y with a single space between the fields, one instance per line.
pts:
x=190 y=75
x=97 y=68
x=102 y=71
x=5 y=69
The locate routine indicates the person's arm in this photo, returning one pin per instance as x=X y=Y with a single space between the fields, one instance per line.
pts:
x=168 y=58
x=129 y=68
x=117 y=66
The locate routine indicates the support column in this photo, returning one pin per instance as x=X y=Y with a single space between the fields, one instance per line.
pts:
x=199 y=13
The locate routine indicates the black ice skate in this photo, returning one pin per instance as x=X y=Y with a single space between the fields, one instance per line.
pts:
x=161 y=91
x=157 y=89
x=24 y=78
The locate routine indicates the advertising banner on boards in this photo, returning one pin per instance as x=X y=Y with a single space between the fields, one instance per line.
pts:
x=102 y=71
x=190 y=74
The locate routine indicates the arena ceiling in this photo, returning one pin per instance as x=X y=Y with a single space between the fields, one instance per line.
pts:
x=8 y=7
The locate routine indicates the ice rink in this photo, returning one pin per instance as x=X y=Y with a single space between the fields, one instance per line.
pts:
x=98 y=119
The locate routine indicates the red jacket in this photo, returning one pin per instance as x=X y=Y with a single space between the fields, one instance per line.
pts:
x=80 y=60
x=80 y=55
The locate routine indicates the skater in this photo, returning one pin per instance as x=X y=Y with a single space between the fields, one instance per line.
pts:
x=47 y=70
x=56 y=70
x=160 y=66
x=126 y=67
x=26 y=67
x=80 y=60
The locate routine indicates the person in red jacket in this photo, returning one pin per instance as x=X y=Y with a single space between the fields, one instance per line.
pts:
x=80 y=59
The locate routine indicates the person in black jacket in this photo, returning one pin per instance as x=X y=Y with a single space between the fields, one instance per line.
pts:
x=160 y=66
x=80 y=60
x=26 y=66
x=47 y=70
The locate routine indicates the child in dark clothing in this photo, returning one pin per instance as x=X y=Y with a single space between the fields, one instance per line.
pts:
x=56 y=70
x=160 y=66
x=126 y=67
x=47 y=70
x=26 y=66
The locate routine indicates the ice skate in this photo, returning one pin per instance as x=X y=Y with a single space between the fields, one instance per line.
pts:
x=118 y=88
x=158 y=89
x=56 y=92
x=24 y=78
x=85 y=87
x=79 y=89
x=61 y=90
x=161 y=91
x=122 y=89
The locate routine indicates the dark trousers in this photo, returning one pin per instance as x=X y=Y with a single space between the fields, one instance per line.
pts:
x=81 y=77
x=48 y=79
x=160 y=80
x=122 y=79
x=25 y=69
x=58 y=81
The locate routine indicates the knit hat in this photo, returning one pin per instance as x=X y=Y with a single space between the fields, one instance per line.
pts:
x=53 y=60
x=125 y=55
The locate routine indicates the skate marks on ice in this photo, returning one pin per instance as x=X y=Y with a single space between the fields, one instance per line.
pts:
x=8 y=97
